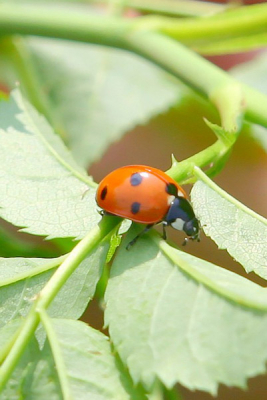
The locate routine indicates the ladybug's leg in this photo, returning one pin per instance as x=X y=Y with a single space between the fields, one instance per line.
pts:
x=185 y=241
x=132 y=242
x=164 y=236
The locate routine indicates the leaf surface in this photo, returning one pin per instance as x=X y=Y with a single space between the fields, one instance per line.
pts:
x=181 y=319
x=98 y=94
x=42 y=189
x=14 y=387
x=232 y=226
x=22 y=279
x=89 y=364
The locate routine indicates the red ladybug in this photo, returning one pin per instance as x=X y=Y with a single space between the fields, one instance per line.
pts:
x=149 y=196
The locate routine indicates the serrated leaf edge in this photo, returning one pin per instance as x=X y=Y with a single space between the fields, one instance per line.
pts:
x=204 y=178
x=23 y=105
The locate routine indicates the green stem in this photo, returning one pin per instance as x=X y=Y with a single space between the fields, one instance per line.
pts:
x=256 y=105
x=80 y=251
x=5 y=350
x=129 y=34
x=231 y=45
x=242 y=21
x=25 y=334
x=182 y=171
x=183 y=8
x=49 y=292
x=26 y=73
x=30 y=82
x=194 y=70
x=64 y=24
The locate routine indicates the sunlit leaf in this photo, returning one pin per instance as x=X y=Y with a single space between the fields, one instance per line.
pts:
x=89 y=365
x=175 y=317
x=14 y=387
x=232 y=226
x=22 y=279
x=41 y=187
x=7 y=333
x=98 y=94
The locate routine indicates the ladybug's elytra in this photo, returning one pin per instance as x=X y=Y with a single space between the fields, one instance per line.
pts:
x=149 y=196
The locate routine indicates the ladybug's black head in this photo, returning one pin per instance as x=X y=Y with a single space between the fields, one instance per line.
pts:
x=182 y=217
x=191 y=228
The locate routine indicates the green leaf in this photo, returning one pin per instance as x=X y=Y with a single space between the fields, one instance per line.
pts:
x=226 y=137
x=88 y=364
x=79 y=289
x=232 y=226
x=115 y=241
x=14 y=388
x=98 y=94
x=41 y=187
x=22 y=279
x=41 y=381
x=7 y=334
x=175 y=317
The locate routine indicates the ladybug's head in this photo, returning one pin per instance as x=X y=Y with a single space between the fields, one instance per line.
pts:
x=182 y=217
x=191 y=228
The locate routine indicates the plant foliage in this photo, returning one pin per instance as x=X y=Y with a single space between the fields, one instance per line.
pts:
x=172 y=318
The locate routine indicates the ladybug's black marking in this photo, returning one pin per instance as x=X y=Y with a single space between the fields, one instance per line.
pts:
x=171 y=189
x=104 y=193
x=136 y=179
x=135 y=207
x=182 y=210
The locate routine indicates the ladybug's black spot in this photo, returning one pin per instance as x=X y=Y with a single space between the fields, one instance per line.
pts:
x=104 y=193
x=135 y=207
x=136 y=179
x=171 y=189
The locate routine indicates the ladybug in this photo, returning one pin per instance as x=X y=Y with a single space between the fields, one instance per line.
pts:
x=149 y=196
